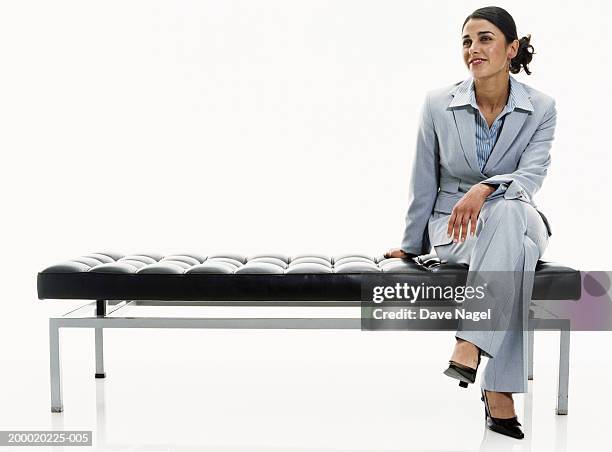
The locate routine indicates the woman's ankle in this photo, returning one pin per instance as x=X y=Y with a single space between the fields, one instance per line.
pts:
x=501 y=404
x=465 y=353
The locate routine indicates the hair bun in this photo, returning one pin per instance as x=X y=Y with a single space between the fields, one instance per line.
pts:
x=524 y=41
x=523 y=56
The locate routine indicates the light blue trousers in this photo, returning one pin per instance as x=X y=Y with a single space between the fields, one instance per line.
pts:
x=510 y=237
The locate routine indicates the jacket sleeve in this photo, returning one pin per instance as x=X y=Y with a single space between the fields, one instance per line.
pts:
x=423 y=186
x=533 y=164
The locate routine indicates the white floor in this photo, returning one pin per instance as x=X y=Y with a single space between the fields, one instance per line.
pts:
x=288 y=390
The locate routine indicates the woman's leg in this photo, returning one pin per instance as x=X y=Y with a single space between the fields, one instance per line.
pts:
x=510 y=238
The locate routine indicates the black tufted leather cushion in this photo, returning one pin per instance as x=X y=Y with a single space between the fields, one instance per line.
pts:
x=269 y=277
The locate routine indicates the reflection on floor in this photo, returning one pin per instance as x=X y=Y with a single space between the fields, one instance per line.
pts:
x=300 y=391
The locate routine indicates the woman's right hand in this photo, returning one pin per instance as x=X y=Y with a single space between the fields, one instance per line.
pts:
x=398 y=252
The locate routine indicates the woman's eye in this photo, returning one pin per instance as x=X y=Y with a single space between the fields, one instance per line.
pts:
x=484 y=38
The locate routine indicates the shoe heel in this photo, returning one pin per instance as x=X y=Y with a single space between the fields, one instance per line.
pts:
x=463 y=384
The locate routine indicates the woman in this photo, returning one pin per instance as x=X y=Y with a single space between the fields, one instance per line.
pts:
x=482 y=153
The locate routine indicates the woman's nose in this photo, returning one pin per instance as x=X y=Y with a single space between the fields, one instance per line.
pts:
x=474 y=49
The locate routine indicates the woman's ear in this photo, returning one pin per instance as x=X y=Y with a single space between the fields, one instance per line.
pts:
x=514 y=46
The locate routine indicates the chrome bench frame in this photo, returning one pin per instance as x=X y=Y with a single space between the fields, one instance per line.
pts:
x=95 y=315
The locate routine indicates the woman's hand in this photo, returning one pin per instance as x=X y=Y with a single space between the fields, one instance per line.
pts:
x=467 y=210
x=398 y=252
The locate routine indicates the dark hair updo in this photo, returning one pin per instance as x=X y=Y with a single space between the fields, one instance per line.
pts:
x=504 y=21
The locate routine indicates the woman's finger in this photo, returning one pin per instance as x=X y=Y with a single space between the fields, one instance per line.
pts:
x=464 y=227
x=474 y=220
x=451 y=223
x=457 y=227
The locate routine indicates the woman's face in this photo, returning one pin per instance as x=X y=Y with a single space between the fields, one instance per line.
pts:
x=484 y=48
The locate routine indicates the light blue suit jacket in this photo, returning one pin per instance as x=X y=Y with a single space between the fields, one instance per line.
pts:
x=445 y=164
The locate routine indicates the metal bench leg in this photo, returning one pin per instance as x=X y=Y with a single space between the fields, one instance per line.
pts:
x=55 y=367
x=100 y=312
x=99 y=354
x=564 y=352
x=530 y=362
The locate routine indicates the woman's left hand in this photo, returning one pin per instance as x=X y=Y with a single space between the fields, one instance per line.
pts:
x=466 y=211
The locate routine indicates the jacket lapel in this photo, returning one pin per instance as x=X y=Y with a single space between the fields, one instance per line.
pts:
x=465 y=121
x=513 y=123
x=466 y=128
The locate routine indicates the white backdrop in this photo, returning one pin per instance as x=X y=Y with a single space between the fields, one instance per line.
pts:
x=264 y=126
x=259 y=126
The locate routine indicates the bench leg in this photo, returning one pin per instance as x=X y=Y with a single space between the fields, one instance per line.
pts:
x=55 y=367
x=562 y=391
x=100 y=312
x=100 y=353
x=530 y=359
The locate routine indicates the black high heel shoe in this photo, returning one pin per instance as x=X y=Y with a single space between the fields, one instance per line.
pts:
x=464 y=374
x=508 y=427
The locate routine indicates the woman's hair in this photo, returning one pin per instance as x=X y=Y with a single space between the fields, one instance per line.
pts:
x=504 y=21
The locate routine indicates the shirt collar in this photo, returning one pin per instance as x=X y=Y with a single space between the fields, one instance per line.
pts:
x=464 y=94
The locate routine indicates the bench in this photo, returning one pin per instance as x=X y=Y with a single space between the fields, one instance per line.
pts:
x=114 y=281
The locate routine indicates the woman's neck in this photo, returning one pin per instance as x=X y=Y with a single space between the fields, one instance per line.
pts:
x=492 y=92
